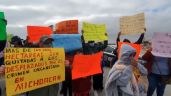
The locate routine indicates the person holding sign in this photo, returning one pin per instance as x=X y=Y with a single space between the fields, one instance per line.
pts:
x=91 y=48
x=16 y=42
x=67 y=84
x=159 y=72
x=139 y=41
x=81 y=86
x=2 y=67
x=115 y=51
x=52 y=90
x=121 y=80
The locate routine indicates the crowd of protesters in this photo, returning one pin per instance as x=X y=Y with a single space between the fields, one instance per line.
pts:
x=78 y=87
x=127 y=77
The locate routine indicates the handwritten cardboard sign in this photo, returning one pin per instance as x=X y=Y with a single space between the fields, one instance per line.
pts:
x=161 y=44
x=31 y=68
x=132 y=24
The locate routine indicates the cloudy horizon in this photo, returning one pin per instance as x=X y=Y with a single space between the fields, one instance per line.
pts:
x=21 y=13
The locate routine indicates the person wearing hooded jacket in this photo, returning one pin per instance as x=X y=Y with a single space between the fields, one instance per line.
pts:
x=121 y=80
x=115 y=51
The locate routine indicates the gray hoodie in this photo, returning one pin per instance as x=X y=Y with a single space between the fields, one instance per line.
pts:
x=120 y=80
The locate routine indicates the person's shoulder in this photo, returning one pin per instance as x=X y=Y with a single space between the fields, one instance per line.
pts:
x=119 y=66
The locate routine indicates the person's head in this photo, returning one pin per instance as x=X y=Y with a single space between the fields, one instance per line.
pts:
x=100 y=43
x=16 y=41
x=45 y=42
x=126 y=40
x=91 y=43
x=127 y=53
x=82 y=31
x=78 y=51
x=35 y=45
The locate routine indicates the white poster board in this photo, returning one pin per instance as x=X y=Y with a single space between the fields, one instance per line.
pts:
x=161 y=44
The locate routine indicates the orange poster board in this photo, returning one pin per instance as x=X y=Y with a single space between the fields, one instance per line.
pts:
x=67 y=27
x=136 y=46
x=35 y=32
x=86 y=65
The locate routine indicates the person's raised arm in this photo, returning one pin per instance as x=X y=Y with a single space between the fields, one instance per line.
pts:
x=139 y=41
x=118 y=38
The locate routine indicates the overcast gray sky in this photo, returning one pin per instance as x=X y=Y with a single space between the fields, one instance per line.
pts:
x=21 y=13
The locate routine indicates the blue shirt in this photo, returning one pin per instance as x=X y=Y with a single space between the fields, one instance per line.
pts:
x=160 y=65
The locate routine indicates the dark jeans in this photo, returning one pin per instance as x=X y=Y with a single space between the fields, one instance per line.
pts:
x=155 y=83
x=66 y=86
x=98 y=81
x=0 y=92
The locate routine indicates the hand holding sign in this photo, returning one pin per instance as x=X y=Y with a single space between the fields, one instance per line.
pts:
x=66 y=62
x=2 y=70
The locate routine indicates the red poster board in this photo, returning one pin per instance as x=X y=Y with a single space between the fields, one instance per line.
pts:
x=136 y=46
x=67 y=27
x=86 y=65
x=35 y=32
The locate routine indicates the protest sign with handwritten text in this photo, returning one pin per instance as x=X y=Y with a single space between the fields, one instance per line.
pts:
x=31 y=68
x=161 y=44
x=132 y=24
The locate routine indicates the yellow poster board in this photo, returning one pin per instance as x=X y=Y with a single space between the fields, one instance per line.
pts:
x=94 y=32
x=132 y=24
x=31 y=68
